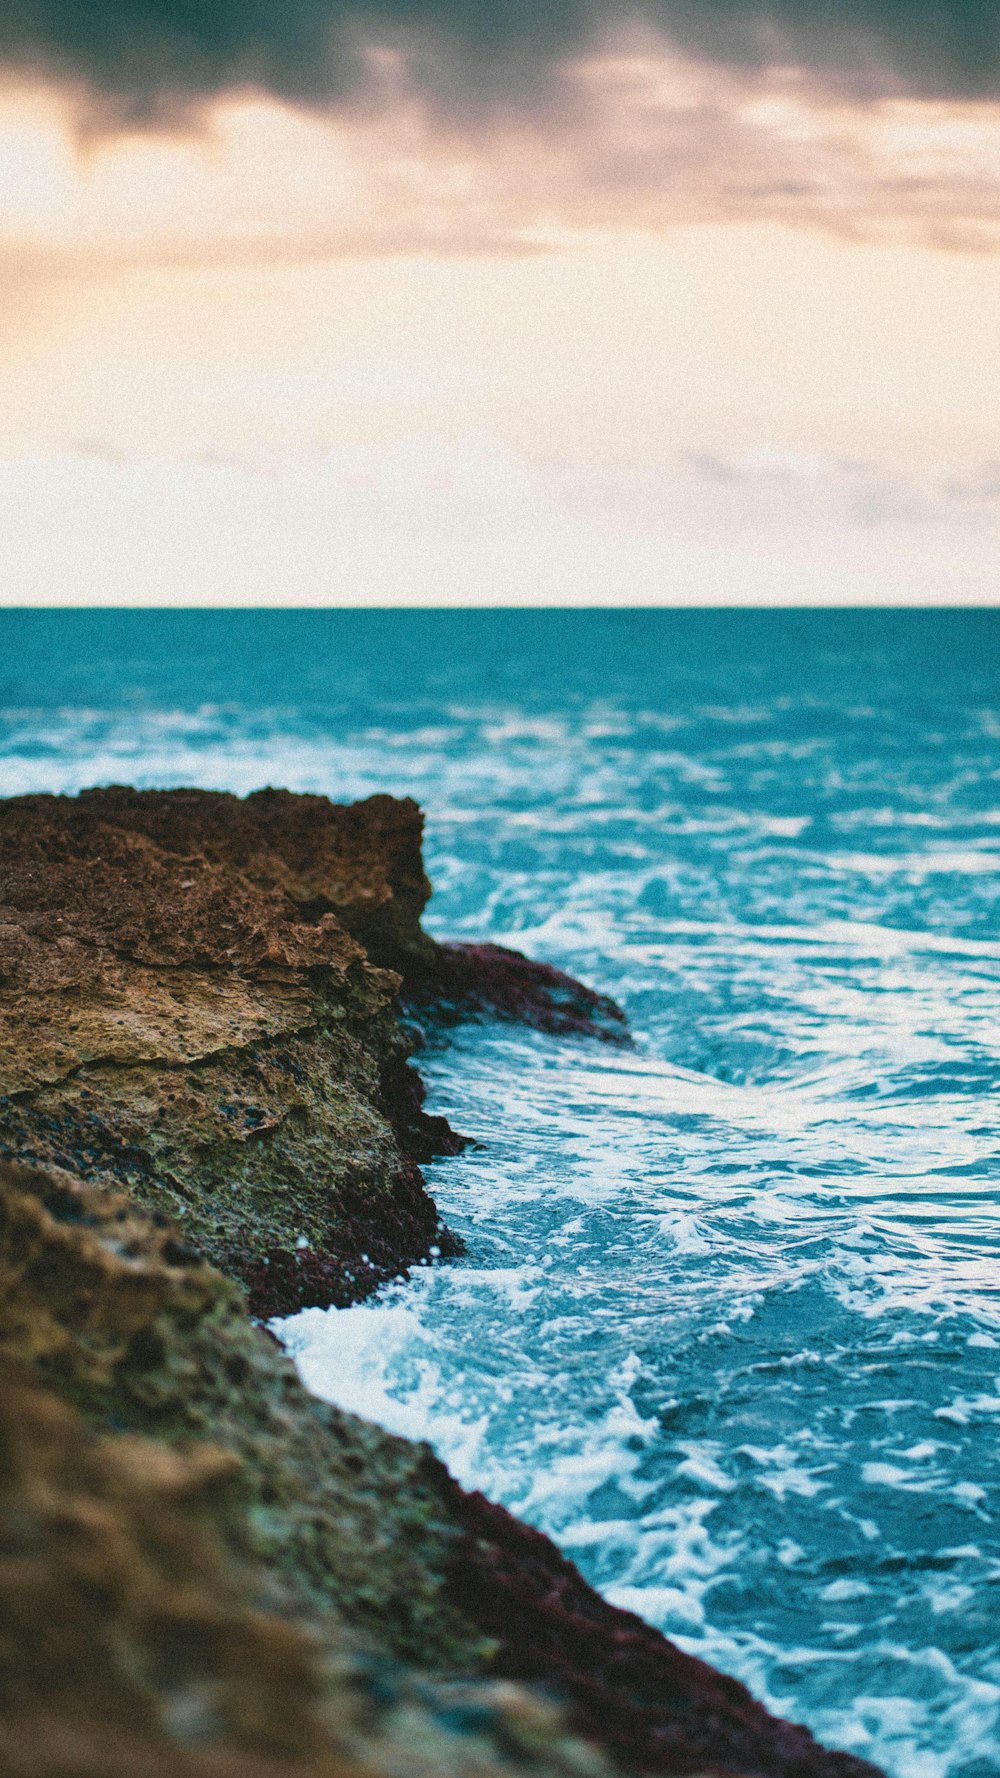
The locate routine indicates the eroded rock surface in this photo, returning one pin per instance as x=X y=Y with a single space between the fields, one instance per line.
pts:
x=198 y=1005
x=185 y=1015
x=348 y=1540
x=204 y=1570
x=139 y=1634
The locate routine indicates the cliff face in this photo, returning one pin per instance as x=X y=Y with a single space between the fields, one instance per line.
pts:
x=140 y=1637
x=186 y=1016
x=203 y=1569
x=199 y=1006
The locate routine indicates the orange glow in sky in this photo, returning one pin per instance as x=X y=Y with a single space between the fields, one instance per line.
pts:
x=691 y=336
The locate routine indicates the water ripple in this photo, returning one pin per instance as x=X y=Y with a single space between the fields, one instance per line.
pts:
x=728 y=1327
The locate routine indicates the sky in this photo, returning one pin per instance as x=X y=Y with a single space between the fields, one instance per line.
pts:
x=502 y=301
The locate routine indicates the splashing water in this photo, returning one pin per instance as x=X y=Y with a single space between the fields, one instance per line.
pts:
x=728 y=1326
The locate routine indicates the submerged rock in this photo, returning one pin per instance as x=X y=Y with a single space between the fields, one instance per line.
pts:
x=203 y=1569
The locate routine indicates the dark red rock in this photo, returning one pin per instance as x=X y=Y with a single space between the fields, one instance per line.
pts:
x=369 y=1251
x=423 y=1136
x=487 y=980
x=628 y=1688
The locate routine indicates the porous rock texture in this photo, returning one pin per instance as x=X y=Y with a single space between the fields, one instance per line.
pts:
x=185 y=1016
x=204 y=1570
x=199 y=1006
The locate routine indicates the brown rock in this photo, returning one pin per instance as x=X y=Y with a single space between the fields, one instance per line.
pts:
x=204 y=1570
x=178 y=1029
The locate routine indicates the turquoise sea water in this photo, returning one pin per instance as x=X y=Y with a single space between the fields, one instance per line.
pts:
x=728 y=1326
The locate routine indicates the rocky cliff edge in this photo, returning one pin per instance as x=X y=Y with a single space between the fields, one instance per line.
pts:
x=209 y=1116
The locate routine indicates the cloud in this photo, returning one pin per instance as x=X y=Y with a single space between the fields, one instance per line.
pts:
x=150 y=58
x=467 y=519
x=802 y=488
x=645 y=141
x=980 y=489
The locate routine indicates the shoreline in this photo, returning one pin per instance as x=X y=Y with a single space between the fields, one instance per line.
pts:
x=200 y=1016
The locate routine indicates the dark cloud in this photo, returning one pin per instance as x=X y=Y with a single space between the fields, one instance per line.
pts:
x=145 y=57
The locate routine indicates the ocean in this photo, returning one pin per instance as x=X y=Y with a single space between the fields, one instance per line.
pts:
x=728 y=1322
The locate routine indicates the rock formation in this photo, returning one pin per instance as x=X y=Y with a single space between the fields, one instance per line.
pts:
x=209 y=1115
